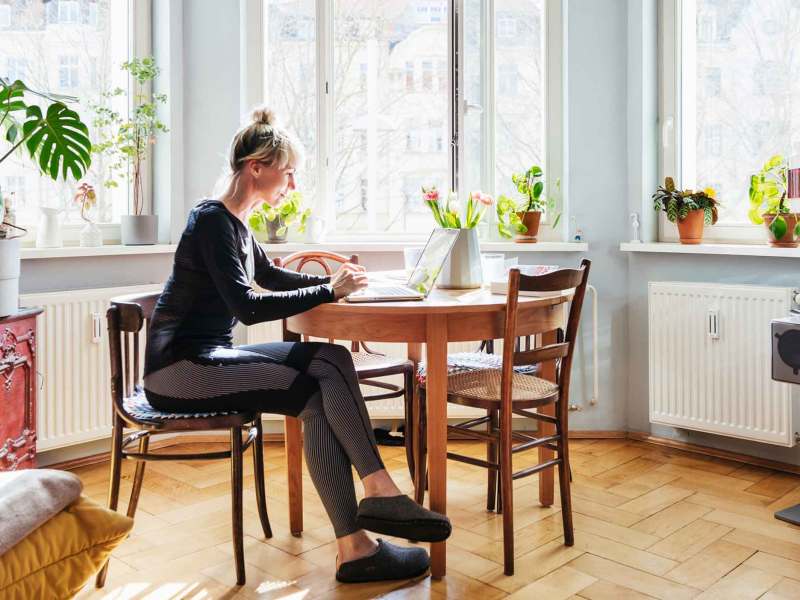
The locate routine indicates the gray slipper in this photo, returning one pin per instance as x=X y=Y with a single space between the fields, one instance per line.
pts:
x=388 y=563
x=400 y=516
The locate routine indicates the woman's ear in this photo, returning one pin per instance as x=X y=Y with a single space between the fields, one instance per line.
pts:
x=254 y=168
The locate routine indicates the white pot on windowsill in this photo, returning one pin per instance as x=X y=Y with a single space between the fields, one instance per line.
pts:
x=9 y=276
x=138 y=230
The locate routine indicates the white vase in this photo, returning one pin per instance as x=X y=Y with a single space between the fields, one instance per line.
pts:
x=462 y=269
x=91 y=236
x=48 y=232
x=9 y=276
x=315 y=230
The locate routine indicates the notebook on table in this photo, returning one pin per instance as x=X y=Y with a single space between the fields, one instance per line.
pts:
x=422 y=278
x=500 y=286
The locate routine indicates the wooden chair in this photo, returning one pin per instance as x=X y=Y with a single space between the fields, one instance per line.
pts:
x=127 y=317
x=369 y=364
x=506 y=392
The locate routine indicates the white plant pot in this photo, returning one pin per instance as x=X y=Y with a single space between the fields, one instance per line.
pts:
x=9 y=276
x=138 y=230
x=91 y=236
x=462 y=269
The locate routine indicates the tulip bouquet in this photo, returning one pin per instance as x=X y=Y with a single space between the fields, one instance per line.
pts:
x=448 y=214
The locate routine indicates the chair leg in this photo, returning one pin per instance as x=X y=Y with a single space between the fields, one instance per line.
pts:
x=113 y=484
x=258 y=468
x=236 y=503
x=491 y=456
x=293 y=430
x=421 y=468
x=564 y=474
x=144 y=444
x=507 y=487
x=408 y=400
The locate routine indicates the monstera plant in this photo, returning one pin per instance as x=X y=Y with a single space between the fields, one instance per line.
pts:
x=53 y=135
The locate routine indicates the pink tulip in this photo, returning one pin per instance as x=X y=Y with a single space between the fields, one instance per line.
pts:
x=486 y=199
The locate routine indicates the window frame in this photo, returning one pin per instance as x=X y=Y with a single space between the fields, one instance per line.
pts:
x=674 y=22
x=139 y=44
x=555 y=127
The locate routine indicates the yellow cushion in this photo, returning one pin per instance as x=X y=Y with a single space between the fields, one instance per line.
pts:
x=57 y=559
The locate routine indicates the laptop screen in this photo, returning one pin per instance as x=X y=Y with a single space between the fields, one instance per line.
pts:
x=432 y=259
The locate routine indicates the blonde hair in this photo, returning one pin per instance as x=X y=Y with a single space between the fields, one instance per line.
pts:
x=261 y=140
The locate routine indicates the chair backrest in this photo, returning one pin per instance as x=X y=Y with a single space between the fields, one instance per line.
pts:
x=561 y=280
x=128 y=322
x=298 y=260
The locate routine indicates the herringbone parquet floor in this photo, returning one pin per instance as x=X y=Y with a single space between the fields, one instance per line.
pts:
x=650 y=522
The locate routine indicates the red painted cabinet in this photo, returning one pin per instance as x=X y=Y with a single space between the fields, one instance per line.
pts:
x=18 y=390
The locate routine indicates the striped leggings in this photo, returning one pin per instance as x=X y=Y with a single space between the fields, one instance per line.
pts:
x=314 y=381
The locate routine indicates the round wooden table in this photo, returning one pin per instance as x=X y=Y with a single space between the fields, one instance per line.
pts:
x=445 y=316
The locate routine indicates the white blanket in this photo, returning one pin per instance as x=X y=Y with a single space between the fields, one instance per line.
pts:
x=30 y=497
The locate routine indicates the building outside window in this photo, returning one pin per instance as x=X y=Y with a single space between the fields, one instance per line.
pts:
x=68 y=12
x=68 y=72
x=5 y=16
x=16 y=68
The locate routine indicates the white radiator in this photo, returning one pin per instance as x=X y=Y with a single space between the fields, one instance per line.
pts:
x=74 y=400
x=378 y=409
x=709 y=361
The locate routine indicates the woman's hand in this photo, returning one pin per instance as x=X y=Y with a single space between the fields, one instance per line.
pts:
x=348 y=279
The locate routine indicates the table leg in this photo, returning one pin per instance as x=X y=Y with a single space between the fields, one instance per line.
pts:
x=548 y=371
x=436 y=387
x=413 y=429
x=294 y=469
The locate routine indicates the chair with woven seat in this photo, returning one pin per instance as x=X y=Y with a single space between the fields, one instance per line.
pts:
x=369 y=364
x=508 y=391
x=128 y=318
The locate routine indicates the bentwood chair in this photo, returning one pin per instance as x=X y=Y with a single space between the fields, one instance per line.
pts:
x=369 y=364
x=508 y=391
x=128 y=319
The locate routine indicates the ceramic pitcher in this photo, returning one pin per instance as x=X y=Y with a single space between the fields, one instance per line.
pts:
x=48 y=233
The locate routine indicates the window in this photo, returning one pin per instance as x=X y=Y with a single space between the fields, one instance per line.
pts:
x=68 y=11
x=16 y=68
x=5 y=16
x=68 y=72
x=728 y=99
x=375 y=106
x=506 y=26
x=83 y=61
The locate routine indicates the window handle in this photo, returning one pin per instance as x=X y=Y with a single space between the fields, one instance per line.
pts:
x=666 y=132
x=469 y=106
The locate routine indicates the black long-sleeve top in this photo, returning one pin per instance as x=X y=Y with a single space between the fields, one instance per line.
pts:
x=210 y=288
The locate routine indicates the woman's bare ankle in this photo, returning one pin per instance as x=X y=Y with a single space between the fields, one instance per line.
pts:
x=380 y=485
x=354 y=546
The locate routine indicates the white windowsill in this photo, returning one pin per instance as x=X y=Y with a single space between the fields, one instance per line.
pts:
x=108 y=250
x=335 y=246
x=715 y=249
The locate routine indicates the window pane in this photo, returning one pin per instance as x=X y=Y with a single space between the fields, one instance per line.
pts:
x=519 y=90
x=740 y=94
x=52 y=48
x=291 y=78
x=390 y=115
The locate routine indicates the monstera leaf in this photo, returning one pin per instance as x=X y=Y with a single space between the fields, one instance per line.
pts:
x=59 y=139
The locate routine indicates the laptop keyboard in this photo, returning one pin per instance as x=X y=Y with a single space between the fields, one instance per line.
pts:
x=386 y=291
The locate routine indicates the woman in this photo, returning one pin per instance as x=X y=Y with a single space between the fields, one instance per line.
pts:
x=192 y=365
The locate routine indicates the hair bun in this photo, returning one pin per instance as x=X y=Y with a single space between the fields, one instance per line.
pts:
x=263 y=116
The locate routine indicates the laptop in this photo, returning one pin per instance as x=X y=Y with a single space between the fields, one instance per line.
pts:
x=422 y=278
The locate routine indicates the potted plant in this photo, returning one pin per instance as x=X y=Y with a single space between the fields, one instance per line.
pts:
x=271 y=223
x=768 y=204
x=689 y=209
x=524 y=219
x=56 y=140
x=86 y=197
x=462 y=269
x=127 y=146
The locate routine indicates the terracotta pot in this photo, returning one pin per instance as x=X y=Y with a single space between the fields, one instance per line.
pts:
x=690 y=228
x=531 y=220
x=788 y=239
